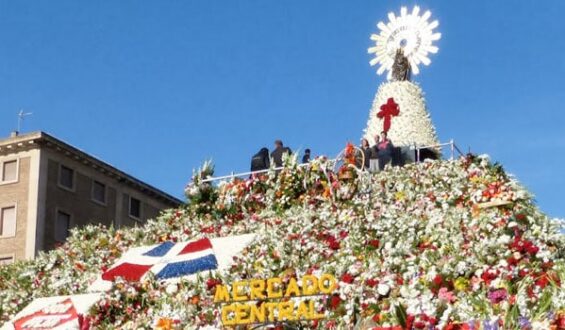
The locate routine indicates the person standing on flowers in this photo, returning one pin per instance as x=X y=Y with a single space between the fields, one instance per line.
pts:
x=260 y=161
x=277 y=154
x=374 y=160
x=385 y=149
x=366 y=154
x=306 y=157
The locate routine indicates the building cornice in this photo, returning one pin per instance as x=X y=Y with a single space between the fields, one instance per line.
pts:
x=43 y=140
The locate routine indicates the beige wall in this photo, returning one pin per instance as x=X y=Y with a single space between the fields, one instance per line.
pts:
x=16 y=194
x=79 y=204
x=148 y=209
x=38 y=196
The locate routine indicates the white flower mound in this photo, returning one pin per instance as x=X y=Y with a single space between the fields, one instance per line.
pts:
x=413 y=126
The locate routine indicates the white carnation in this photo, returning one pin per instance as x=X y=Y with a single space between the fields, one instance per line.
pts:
x=383 y=289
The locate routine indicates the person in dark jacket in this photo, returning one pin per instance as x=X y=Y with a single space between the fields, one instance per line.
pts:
x=385 y=149
x=306 y=157
x=277 y=154
x=260 y=160
x=366 y=153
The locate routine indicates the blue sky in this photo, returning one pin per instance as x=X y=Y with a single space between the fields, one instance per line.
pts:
x=156 y=87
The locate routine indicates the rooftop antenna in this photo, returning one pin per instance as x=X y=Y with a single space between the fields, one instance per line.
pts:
x=21 y=116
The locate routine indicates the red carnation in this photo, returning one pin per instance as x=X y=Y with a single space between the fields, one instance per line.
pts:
x=512 y=261
x=374 y=243
x=372 y=282
x=212 y=282
x=543 y=281
x=410 y=321
x=347 y=278
x=489 y=275
x=560 y=321
x=438 y=280
x=333 y=243
x=335 y=301
x=419 y=325
x=530 y=291
x=532 y=249
x=523 y=272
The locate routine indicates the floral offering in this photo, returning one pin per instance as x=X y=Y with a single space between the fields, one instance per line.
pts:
x=436 y=245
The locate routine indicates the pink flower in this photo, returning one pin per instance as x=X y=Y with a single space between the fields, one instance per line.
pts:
x=497 y=296
x=446 y=295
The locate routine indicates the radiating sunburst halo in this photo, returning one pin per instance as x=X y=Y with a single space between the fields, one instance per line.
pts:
x=409 y=31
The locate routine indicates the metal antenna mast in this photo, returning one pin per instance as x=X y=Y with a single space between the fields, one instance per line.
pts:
x=21 y=116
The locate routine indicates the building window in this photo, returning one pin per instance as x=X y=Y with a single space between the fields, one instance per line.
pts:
x=62 y=225
x=135 y=207
x=98 y=192
x=9 y=171
x=6 y=260
x=8 y=221
x=66 y=177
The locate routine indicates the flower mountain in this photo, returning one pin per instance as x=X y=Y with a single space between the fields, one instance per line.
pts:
x=436 y=245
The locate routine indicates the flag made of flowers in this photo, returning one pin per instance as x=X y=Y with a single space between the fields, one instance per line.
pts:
x=58 y=313
x=170 y=260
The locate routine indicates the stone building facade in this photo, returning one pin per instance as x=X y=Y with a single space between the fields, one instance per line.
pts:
x=48 y=187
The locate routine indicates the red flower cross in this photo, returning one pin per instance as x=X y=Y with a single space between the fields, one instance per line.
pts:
x=388 y=110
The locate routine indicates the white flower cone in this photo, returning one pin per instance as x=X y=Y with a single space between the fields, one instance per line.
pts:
x=412 y=126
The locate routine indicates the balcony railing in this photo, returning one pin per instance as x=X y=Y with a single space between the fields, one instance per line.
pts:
x=453 y=149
